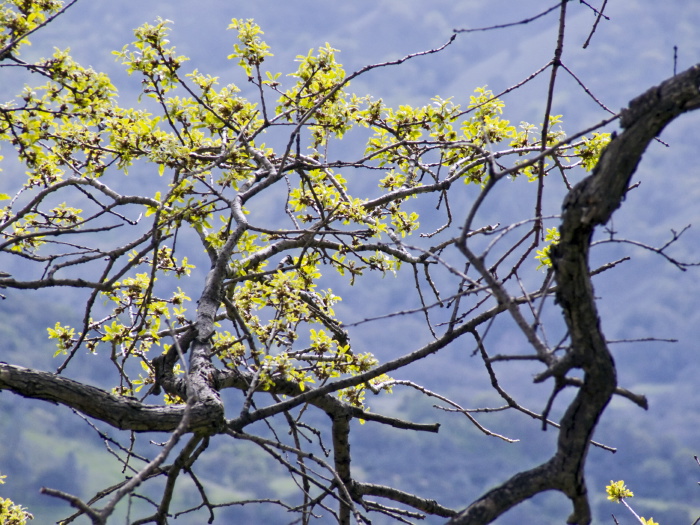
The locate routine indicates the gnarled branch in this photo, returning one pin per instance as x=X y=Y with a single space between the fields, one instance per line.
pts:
x=589 y=204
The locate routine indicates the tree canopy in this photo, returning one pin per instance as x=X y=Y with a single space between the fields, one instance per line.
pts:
x=206 y=232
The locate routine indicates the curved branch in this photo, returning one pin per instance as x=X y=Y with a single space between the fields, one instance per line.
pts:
x=589 y=204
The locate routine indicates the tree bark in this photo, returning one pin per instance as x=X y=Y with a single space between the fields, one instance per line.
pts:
x=120 y=412
x=589 y=204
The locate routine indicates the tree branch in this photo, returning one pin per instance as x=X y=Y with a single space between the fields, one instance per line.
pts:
x=121 y=412
x=589 y=204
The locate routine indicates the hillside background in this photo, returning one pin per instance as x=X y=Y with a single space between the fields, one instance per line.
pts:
x=42 y=445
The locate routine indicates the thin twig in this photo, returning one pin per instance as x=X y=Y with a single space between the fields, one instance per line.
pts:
x=511 y=24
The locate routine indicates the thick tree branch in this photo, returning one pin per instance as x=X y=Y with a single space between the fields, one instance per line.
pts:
x=589 y=204
x=120 y=412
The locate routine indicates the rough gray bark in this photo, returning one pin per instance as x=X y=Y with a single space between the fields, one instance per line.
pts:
x=118 y=411
x=588 y=204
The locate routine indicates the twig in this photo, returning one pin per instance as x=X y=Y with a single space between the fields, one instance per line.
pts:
x=511 y=24
x=595 y=24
